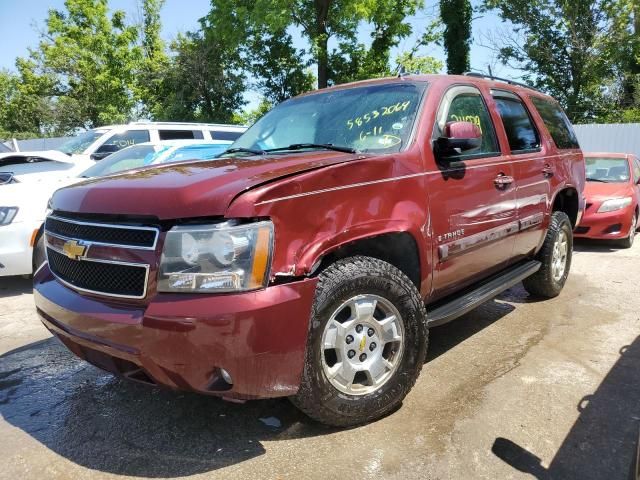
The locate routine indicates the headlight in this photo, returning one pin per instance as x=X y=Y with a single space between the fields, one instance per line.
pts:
x=7 y=214
x=614 y=204
x=216 y=258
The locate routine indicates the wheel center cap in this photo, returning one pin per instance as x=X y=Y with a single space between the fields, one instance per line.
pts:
x=363 y=343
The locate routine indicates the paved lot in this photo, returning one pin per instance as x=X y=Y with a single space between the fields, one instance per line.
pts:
x=549 y=388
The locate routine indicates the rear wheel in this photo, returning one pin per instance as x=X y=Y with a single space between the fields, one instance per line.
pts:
x=367 y=343
x=628 y=242
x=555 y=257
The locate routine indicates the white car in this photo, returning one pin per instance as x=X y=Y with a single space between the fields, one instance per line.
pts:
x=23 y=204
x=84 y=150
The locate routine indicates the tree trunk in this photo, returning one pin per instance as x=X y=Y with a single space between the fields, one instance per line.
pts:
x=322 y=41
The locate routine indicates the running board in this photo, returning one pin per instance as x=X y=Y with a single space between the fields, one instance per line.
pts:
x=471 y=299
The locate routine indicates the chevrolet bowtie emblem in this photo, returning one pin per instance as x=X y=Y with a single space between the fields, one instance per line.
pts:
x=74 y=250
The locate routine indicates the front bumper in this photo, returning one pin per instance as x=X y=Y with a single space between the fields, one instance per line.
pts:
x=16 y=252
x=182 y=341
x=602 y=226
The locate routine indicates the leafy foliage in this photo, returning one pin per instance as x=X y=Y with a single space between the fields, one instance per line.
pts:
x=583 y=52
x=456 y=16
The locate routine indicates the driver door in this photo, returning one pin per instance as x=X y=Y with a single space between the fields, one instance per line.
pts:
x=473 y=198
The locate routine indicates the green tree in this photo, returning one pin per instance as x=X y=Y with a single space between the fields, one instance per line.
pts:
x=559 y=49
x=276 y=65
x=155 y=61
x=201 y=83
x=457 y=16
x=94 y=59
x=319 y=21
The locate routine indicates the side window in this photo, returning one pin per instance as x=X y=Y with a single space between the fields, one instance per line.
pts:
x=521 y=133
x=176 y=135
x=228 y=136
x=557 y=123
x=636 y=170
x=467 y=105
x=124 y=140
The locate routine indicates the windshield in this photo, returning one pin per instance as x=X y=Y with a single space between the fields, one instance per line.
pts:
x=80 y=143
x=372 y=118
x=608 y=170
x=125 y=159
x=193 y=152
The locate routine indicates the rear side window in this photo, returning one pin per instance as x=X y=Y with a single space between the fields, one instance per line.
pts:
x=521 y=133
x=220 y=135
x=176 y=135
x=557 y=123
x=124 y=140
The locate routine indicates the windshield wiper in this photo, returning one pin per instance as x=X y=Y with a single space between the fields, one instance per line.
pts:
x=589 y=179
x=244 y=150
x=326 y=146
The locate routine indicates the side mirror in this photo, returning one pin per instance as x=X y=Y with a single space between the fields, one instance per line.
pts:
x=104 y=151
x=458 y=137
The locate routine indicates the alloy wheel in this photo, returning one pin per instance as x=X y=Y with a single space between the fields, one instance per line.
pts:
x=362 y=344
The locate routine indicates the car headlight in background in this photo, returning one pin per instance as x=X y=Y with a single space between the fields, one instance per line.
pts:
x=7 y=214
x=614 y=204
x=225 y=257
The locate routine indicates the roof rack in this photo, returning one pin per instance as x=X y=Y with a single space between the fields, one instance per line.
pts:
x=195 y=124
x=500 y=79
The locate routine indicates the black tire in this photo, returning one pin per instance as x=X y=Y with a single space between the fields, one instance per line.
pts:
x=341 y=281
x=542 y=283
x=628 y=242
x=39 y=255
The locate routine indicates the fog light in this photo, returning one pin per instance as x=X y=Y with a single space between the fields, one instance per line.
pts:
x=225 y=376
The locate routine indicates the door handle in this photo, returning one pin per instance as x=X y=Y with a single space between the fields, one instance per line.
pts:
x=502 y=181
x=547 y=171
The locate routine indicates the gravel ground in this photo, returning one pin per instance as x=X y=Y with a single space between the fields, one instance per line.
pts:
x=513 y=389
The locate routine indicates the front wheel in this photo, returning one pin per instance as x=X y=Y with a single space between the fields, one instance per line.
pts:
x=367 y=343
x=628 y=242
x=555 y=257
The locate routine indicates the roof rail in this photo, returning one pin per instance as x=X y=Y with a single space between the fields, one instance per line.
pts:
x=195 y=124
x=500 y=79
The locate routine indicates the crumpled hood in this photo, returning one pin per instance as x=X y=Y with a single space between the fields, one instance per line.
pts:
x=187 y=189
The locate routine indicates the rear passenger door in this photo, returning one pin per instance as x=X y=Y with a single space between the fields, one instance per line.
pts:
x=472 y=197
x=532 y=169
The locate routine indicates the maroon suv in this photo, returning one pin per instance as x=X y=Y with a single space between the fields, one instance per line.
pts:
x=311 y=259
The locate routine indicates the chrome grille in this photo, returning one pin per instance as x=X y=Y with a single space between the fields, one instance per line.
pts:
x=75 y=263
x=104 y=234
x=115 y=279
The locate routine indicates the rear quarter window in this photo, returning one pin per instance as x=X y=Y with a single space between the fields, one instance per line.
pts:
x=557 y=123
x=223 y=135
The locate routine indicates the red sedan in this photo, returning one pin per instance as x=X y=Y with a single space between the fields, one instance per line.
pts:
x=612 y=192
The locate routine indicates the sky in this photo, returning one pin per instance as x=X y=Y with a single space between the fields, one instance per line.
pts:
x=21 y=19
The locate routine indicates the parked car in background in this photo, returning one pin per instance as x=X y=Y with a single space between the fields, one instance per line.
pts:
x=150 y=153
x=613 y=198
x=312 y=257
x=84 y=150
x=23 y=205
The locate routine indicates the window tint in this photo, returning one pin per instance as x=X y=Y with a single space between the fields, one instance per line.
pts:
x=521 y=133
x=470 y=107
x=123 y=140
x=176 y=135
x=220 y=135
x=557 y=123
